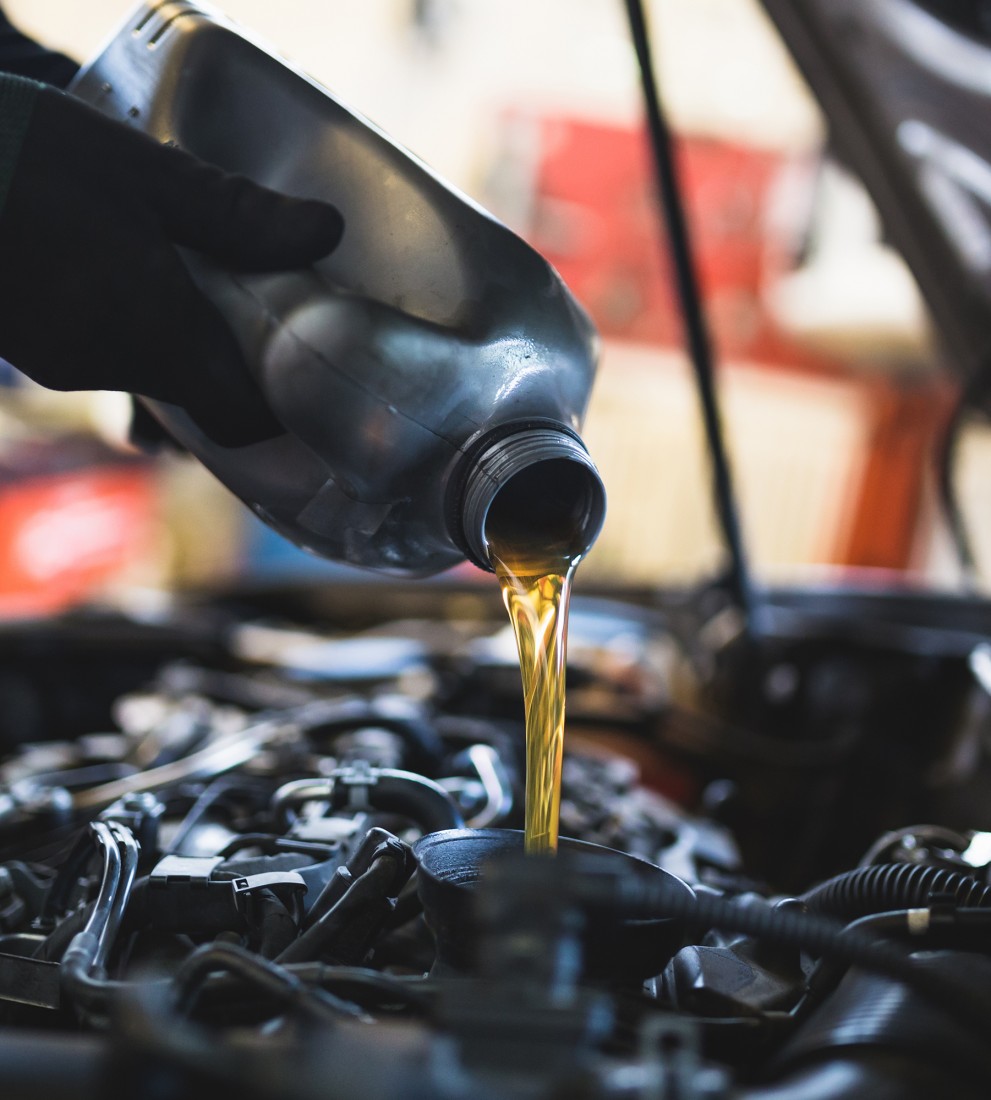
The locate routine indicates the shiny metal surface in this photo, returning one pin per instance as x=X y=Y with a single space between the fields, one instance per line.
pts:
x=430 y=326
x=222 y=753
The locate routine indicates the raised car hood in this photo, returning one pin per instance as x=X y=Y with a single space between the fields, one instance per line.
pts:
x=906 y=90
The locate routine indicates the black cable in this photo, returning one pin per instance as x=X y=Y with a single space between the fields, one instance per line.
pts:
x=210 y=797
x=815 y=934
x=272 y=923
x=365 y=986
x=270 y=978
x=69 y=872
x=195 y=814
x=693 y=315
x=54 y=944
x=358 y=916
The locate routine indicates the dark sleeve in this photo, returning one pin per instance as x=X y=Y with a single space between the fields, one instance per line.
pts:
x=24 y=57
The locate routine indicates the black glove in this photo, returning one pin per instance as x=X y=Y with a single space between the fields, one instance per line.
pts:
x=22 y=55
x=93 y=294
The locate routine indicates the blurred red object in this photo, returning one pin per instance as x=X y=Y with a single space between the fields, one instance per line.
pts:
x=590 y=208
x=65 y=536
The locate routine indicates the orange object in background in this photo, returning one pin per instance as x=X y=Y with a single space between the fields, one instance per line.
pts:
x=908 y=419
x=66 y=536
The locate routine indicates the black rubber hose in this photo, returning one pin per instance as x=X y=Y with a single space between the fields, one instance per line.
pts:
x=69 y=873
x=262 y=974
x=428 y=804
x=816 y=934
x=424 y=748
x=385 y=789
x=868 y=1013
x=55 y=943
x=273 y=923
x=866 y=890
x=368 y=988
x=829 y=970
x=348 y=929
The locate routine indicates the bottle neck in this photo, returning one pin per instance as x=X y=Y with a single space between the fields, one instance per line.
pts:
x=539 y=486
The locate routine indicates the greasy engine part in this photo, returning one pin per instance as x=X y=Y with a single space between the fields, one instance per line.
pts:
x=857 y=712
x=217 y=888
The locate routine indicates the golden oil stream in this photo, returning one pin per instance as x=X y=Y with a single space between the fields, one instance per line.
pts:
x=536 y=589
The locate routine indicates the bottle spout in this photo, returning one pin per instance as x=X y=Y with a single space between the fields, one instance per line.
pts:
x=536 y=485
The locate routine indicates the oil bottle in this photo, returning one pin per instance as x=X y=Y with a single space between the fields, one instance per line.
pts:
x=433 y=364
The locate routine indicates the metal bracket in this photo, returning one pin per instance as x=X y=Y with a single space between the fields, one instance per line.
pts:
x=355 y=779
x=29 y=981
x=195 y=871
x=181 y=891
x=269 y=880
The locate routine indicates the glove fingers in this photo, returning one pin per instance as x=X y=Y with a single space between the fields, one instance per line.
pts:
x=198 y=205
x=95 y=295
x=194 y=361
x=237 y=222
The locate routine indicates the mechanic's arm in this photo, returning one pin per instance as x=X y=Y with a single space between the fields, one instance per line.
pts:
x=93 y=293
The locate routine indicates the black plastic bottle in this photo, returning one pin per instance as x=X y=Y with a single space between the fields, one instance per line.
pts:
x=431 y=363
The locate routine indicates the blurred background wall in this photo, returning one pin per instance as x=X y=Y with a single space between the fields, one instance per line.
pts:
x=832 y=398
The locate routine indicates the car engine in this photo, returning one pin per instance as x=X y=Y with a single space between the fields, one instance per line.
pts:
x=267 y=843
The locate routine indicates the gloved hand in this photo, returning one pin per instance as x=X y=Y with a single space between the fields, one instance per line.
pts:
x=94 y=295
x=22 y=55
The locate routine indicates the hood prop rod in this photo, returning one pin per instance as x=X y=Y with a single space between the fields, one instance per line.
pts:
x=739 y=580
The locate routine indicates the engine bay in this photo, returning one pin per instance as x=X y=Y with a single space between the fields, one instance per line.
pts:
x=268 y=843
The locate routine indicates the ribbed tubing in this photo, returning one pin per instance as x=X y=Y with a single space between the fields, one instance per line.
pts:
x=888 y=886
